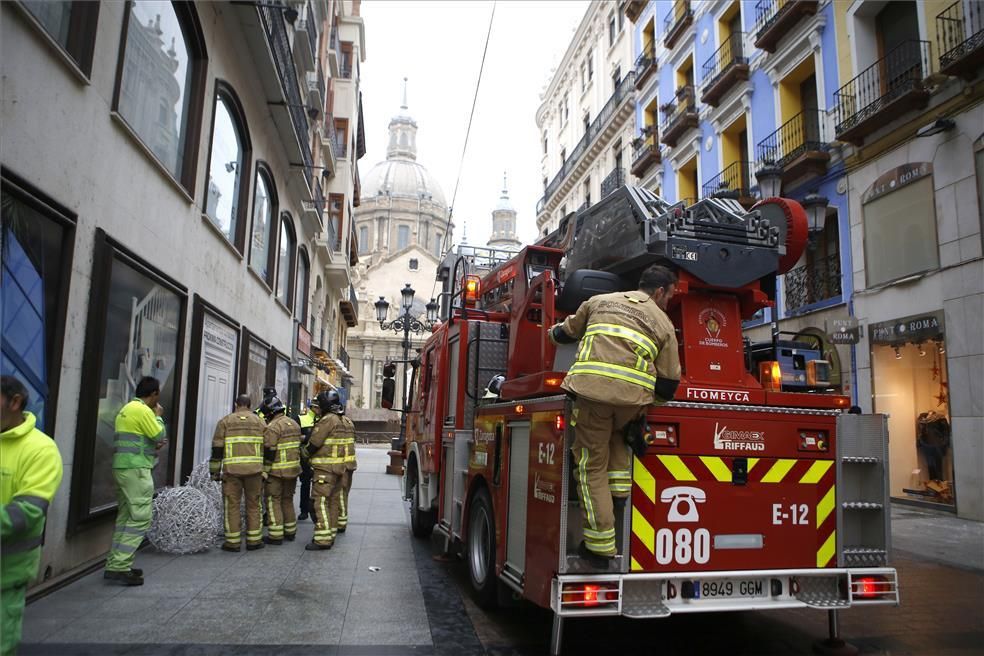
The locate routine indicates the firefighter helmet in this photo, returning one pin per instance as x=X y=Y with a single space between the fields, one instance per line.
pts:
x=271 y=406
x=330 y=401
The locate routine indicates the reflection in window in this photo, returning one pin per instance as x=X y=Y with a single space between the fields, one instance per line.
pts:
x=402 y=237
x=363 y=239
x=72 y=25
x=285 y=262
x=55 y=17
x=141 y=338
x=30 y=288
x=259 y=254
x=301 y=288
x=256 y=367
x=222 y=195
x=156 y=82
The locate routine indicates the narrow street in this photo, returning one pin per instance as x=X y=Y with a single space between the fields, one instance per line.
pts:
x=289 y=601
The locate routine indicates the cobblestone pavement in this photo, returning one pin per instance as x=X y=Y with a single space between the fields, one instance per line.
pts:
x=287 y=601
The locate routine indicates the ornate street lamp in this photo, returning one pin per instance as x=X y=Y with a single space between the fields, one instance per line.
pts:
x=407 y=324
x=816 y=211
x=770 y=180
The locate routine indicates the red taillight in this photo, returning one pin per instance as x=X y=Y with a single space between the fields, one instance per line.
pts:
x=559 y=423
x=867 y=586
x=591 y=594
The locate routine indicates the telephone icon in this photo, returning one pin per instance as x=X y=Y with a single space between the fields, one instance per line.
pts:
x=683 y=502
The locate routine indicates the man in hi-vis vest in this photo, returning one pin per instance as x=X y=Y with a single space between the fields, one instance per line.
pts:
x=237 y=460
x=627 y=360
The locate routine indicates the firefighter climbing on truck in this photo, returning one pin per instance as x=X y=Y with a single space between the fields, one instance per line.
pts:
x=626 y=361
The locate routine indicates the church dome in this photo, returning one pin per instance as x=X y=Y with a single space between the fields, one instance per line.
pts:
x=400 y=175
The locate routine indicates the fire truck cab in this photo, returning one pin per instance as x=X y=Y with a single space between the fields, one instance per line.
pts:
x=749 y=496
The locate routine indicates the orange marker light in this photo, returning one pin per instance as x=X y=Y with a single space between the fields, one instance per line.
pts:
x=559 y=422
x=520 y=409
x=472 y=289
x=770 y=375
x=552 y=382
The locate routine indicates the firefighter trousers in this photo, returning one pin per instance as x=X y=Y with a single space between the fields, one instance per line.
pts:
x=325 y=490
x=233 y=488
x=12 y=607
x=343 y=496
x=280 y=507
x=602 y=462
x=135 y=495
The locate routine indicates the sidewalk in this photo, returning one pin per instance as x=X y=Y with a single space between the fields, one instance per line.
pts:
x=275 y=596
x=938 y=537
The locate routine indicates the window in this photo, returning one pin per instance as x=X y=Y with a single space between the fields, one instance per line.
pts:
x=587 y=123
x=225 y=195
x=341 y=137
x=544 y=142
x=590 y=65
x=584 y=77
x=336 y=213
x=414 y=264
x=566 y=107
x=301 y=287
x=616 y=77
x=612 y=30
x=285 y=260
x=402 y=237
x=345 y=66
x=161 y=82
x=364 y=239
x=587 y=192
x=900 y=233
x=563 y=156
x=34 y=279
x=72 y=25
x=545 y=183
x=254 y=373
x=135 y=329
x=438 y=244
x=264 y=207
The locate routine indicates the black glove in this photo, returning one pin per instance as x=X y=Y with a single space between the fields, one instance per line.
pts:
x=637 y=436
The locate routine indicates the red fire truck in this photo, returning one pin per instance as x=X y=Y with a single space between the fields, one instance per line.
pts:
x=747 y=497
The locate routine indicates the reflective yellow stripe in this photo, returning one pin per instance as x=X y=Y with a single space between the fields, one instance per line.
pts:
x=644 y=479
x=635 y=565
x=778 y=471
x=826 y=505
x=643 y=530
x=249 y=439
x=582 y=467
x=327 y=461
x=615 y=371
x=614 y=330
x=752 y=462
x=286 y=465
x=244 y=460
x=717 y=468
x=677 y=468
x=293 y=444
x=816 y=471
x=826 y=552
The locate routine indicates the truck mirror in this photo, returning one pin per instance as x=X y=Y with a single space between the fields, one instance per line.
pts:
x=389 y=391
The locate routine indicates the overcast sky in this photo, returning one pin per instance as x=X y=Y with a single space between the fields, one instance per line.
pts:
x=438 y=46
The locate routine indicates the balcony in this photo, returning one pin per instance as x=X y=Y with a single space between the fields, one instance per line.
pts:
x=681 y=115
x=341 y=142
x=645 y=65
x=613 y=181
x=601 y=124
x=328 y=144
x=960 y=38
x=306 y=40
x=676 y=23
x=645 y=151
x=799 y=147
x=326 y=241
x=345 y=63
x=632 y=9
x=314 y=210
x=334 y=54
x=316 y=87
x=297 y=144
x=813 y=282
x=888 y=88
x=774 y=19
x=725 y=68
x=343 y=355
x=733 y=182
x=349 y=309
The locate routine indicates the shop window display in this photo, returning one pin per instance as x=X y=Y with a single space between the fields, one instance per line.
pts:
x=911 y=387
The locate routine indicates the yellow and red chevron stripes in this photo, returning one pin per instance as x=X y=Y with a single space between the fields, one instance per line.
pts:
x=762 y=471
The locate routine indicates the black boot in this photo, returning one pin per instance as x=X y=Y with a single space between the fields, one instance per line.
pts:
x=124 y=578
x=268 y=540
x=314 y=546
x=254 y=547
x=596 y=561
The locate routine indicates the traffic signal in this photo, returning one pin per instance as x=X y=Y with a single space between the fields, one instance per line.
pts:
x=389 y=385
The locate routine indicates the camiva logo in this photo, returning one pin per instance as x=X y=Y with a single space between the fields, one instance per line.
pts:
x=738 y=440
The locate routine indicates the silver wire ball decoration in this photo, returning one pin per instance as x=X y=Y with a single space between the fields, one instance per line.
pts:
x=188 y=519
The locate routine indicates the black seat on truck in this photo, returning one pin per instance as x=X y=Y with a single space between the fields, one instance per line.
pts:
x=582 y=284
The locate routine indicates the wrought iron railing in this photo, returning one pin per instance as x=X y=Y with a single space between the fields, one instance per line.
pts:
x=730 y=54
x=902 y=70
x=319 y=201
x=803 y=133
x=810 y=283
x=612 y=181
x=622 y=91
x=768 y=12
x=312 y=30
x=733 y=181
x=275 y=28
x=680 y=12
x=676 y=109
x=645 y=143
x=354 y=300
x=959 y=30
x=645 y=60
x=322 y=87
x=343 y=355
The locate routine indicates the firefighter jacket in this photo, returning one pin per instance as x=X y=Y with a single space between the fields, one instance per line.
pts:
x=329 y=443
x=627 y=341
x=282 y=446
x=308 y=418
x=30 y=472
x=237 y=445
x=350 y=462
x=138 y=432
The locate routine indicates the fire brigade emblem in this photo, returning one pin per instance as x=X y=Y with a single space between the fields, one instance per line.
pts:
x=712 y=320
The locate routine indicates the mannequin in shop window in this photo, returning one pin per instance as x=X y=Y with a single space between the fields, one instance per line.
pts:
x=933 y=441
